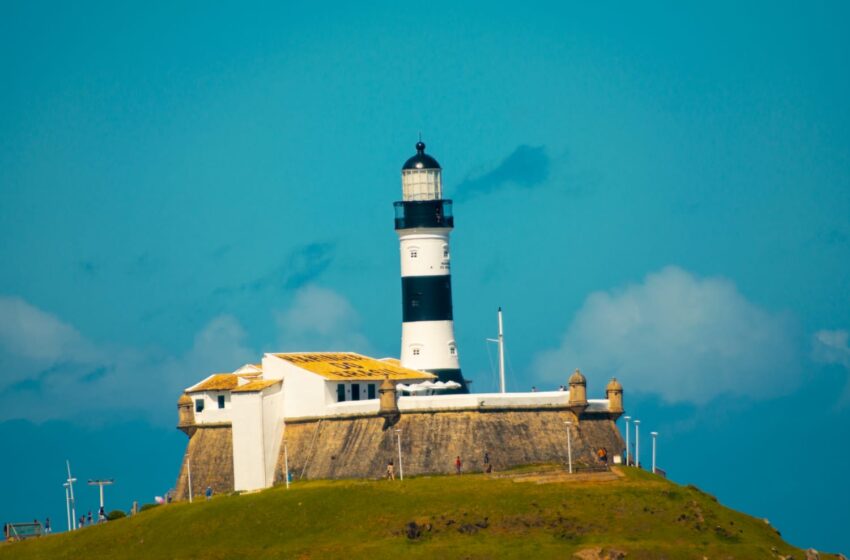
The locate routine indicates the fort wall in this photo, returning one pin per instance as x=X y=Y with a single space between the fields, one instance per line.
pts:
x=210 y=450
x=360 y=447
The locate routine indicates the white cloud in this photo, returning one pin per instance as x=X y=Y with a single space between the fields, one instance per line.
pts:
x=320 y=319
x=685 y=338
x=833 y=347
x=49 y=370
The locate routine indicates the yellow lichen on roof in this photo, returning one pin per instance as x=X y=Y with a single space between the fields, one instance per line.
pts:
x=342 y=366
x=216 y=382
x=257 y=385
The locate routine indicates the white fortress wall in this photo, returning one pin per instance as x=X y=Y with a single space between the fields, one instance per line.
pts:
x=272 y=404
x=249 y=471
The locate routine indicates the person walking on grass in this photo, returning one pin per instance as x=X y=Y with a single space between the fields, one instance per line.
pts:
x=390 y=470
x=208 y=492
x=458 y=465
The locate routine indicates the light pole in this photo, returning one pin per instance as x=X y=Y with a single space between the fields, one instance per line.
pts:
x=654 y=436
x=569 y=447
x=627 y=419
x=101 y=484
x=286 y=463
x=189 y=474
x=637 y=443
x=70 y=482
x=400 y=467
x=67 y=505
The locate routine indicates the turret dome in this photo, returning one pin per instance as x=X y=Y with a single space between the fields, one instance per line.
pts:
x=577 y=378
x=421 y=160
x=184 y=400
x=614 y=385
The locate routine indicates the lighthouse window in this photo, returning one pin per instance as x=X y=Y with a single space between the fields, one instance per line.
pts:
x=416 y=351
x=221 y=401
x=452 y=349
x=414 y=253
x=445 y=251
x=199 y=405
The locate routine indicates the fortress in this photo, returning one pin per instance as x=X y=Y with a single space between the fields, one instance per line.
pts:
x=344 y=415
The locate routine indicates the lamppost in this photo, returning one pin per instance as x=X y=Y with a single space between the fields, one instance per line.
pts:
x=654 y=435
x=400 y=467
x=73 y=506
x=67 y=505
x=101 y=484
x=637 y=443
x=627 y=419
x=569 y=446
x=286 y=463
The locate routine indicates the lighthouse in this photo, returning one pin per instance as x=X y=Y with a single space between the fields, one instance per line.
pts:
x=423 y=222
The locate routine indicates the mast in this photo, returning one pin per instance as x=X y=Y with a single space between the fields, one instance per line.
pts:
x=501 y=354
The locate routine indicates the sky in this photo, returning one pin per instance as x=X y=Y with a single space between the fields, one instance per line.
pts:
x=658 y=192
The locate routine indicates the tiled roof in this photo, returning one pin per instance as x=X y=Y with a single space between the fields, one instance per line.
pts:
x=216 y=382
x=345 y=366
x=254 y=386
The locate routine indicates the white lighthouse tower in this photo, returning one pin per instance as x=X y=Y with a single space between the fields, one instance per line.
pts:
x=423 y=222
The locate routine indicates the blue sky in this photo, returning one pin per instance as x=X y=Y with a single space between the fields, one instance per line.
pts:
x=658 y=192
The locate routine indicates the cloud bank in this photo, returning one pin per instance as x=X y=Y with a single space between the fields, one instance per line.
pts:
x=51 y=371
x=833 y=347
x=684 y=338
x=526 y=167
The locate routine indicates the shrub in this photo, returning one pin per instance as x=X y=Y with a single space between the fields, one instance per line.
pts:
x=115 y=514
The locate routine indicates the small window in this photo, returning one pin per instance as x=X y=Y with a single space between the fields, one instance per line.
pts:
x=452 y=350
x=414 y=253
x=370 y=390
x=445 y=251
x=414 y=302
x=416 y=351
x=355 y=392
x=221 y=401
x=340 y=392
x=199 y=405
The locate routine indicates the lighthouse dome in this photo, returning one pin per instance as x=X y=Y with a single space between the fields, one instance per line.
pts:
x=421 y=160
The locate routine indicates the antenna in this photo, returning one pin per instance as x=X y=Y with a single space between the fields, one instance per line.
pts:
x=501 y=342
x=501 y=354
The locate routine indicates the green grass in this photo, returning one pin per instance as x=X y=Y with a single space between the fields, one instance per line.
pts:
x=470 y=516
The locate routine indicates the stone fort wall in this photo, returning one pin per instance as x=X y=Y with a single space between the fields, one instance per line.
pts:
x=359 y=447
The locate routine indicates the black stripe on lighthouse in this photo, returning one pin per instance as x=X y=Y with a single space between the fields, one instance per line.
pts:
x=426 y=298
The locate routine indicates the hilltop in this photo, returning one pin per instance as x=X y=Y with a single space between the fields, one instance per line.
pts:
x=522 y=514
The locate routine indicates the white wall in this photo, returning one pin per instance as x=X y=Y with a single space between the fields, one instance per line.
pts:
x=434 y=340
x=249 y=472
x=212 y=414
x=272 y=402
x=305 y=394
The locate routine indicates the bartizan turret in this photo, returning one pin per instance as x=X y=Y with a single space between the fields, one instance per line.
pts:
x=388 y=403
x=186 y=415
x=578 y=393
x=614 y=392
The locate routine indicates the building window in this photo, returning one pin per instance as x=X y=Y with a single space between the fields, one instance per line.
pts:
x=370 y=390
x=414 y=253
x=416 y=351
x=355 y=392
x=199 y=405
x=340 y=392
x=221 y=401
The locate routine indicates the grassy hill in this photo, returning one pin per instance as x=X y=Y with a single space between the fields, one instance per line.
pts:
x=471 y=516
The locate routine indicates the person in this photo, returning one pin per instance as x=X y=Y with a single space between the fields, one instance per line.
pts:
x=47 y=525
x=390 y=470
x=458 y=465
x=82 y=521
x=603 y=455
x=488 y=468
x=533 y=389
x=209 y=492
x=101 y=515
x=88 y=521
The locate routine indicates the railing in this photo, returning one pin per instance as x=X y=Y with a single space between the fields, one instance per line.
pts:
x=423 y=213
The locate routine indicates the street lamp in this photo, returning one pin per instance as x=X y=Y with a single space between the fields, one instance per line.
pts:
x=627 y=418
x=654 y=435
x=67 y=504
x=400 y=467
x=569 y=446
x=72 y=505
x=637 y=443
x=101 y=484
